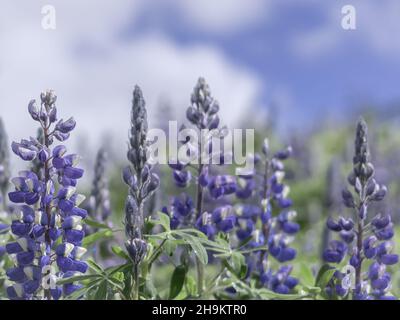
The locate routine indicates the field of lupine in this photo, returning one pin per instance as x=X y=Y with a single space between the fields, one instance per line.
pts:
x=296 y=227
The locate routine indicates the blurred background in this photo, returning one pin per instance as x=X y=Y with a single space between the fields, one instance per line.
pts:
x=286 y=68
x=287 y=61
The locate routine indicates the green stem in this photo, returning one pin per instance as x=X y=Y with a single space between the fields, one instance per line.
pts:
x=136 y=282
x=199 y=205
x=156 y=253
x=200 y=277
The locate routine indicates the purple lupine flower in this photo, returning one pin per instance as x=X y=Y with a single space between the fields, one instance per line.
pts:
x=280 y=281
x=47 y=220
x=359 y=240
x=202 y=114
x=259 y=228
x=181 y=210
x=141 y=181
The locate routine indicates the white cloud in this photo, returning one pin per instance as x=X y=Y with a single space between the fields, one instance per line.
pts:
x=377 y=24
x=222 y=16
x=94 y=72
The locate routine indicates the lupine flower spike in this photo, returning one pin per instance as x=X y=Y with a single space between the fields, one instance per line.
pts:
x=365 y=240
x=271 y=233
x=47 y=219
x=202 y=115
x=142 y=184
x=99 y=202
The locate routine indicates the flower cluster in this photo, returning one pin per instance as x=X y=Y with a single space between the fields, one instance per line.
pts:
x=257 y=227
x=364 y=240
x=47 y=220
x=99 y=207
x=202 y=115
x=141 y=181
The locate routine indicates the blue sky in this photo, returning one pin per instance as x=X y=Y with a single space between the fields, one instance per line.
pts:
x=346 y=69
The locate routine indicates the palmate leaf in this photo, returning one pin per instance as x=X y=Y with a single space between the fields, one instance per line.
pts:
x=101 y=293
x=95 y=267
x=163 y=220
x=196 y=246
x=117 y=280
x=85 y=290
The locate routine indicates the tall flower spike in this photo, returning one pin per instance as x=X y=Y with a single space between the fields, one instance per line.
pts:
x=361 y=241
x=99 y=201
x=141 y=181
x=202 y=114
x=47 y=219
x=271 y=233
x=4 y=163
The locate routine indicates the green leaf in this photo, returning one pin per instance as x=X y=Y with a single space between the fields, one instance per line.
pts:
x=120 y=252
x=96 y=224
x=311 y=289
x=170 y=247
x=118 y=276
x=101 y=293
x=90 y=239
x=117 y=279
x=267 y=294
x=177 y=281
x=197 y=247
x=306 y=275
x=164 y=220
x=78 y=293
x=324 y=275
x=76 y=278
x=94 y=266
x=191 y=285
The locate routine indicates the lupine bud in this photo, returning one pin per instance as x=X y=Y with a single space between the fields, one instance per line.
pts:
x=348 y=198
x=137 y=249
x=33 y=110
x=141 y=181
x=66 y=126
x=380 y=194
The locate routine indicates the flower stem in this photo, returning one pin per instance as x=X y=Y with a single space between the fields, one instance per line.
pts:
x=47 y=208
x=359 y=248
x=136 y=282
x=199 y=209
